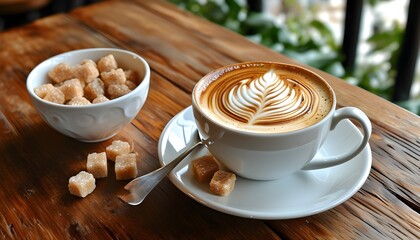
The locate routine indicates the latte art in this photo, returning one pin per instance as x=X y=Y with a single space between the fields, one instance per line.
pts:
x=265 y=100
x=264 y=97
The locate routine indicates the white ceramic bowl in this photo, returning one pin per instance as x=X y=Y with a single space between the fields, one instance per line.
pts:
x=95 y=122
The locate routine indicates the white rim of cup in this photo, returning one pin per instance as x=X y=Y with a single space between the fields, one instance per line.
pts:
x=251 y=133
x=145 y=80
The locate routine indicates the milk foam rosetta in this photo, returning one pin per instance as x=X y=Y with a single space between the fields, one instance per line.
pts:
x=265 y=101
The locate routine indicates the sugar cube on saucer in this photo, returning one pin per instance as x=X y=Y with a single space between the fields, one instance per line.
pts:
x=204 y=168
x=222 y=183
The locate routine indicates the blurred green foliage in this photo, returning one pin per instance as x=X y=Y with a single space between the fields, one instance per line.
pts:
x=308 y=40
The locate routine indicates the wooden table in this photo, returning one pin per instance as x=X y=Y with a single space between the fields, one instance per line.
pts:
x=36 y=161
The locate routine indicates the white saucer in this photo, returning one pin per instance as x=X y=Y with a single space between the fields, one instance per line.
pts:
x=301 y=194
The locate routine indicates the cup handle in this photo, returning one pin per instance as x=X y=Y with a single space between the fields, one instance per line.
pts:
x=340 y=114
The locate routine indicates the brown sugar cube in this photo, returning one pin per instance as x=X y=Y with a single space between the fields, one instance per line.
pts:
x=131 y=85
x=117 y=90
x=89 y=61
x=97 y=165
x=78 y=101
x=72 y=88
x=94 y=89
x=82 y=184
x=83 y=84
x=61 y=72
x=55 y=96
x=117 y=147
x=43 y=90
x=115 y=76
x=131 y=76
x=204 y=168
x=86 y=71
x=107 y=63
x=100 y=98
x=222 y=183
x=126 y=166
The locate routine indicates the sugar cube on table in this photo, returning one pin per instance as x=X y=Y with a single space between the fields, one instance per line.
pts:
x=86 y=71
x=117 y=90
x=107 y=63
x=222 y=183
x=82 y=184
x=114 y=76
x=61 y=72
x=97 y=164
x=117 y=147
x=126 y=166
x=71 y=88
x=204 y=168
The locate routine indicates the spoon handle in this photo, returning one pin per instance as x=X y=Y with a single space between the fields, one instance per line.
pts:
x=141 y=186
x=161 y=172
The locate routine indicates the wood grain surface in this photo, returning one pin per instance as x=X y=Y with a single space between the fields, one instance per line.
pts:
x=36 y=161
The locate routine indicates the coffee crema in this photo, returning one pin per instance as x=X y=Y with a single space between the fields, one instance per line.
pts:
x=264 y=97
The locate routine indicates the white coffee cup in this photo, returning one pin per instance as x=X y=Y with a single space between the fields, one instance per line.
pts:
x=263 y=154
